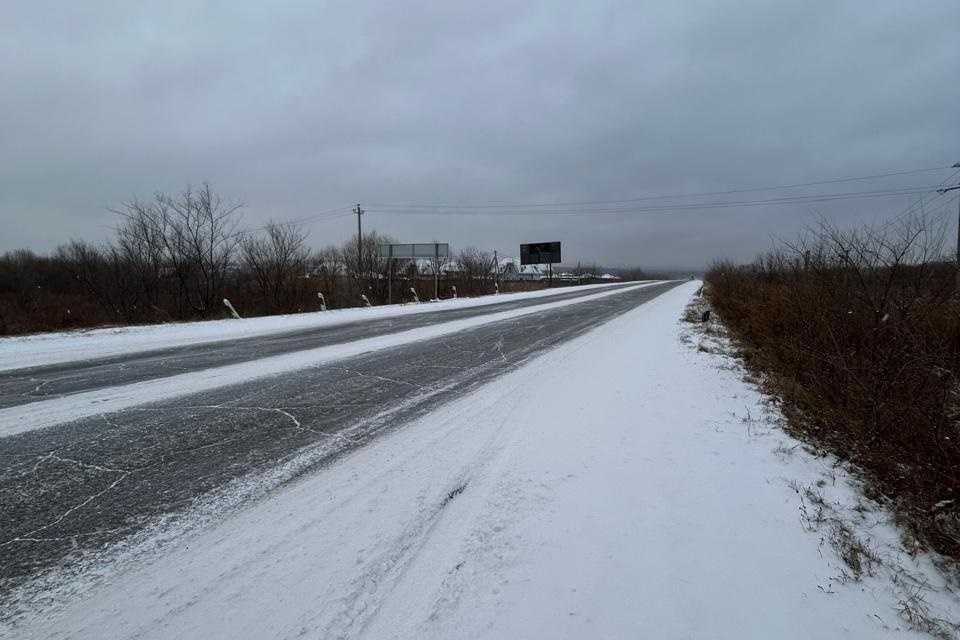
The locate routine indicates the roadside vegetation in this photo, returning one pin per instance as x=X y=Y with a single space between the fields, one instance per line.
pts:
x=176 y=257
x=858 y=333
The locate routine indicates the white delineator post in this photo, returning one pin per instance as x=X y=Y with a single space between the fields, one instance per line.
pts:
x=232 y=310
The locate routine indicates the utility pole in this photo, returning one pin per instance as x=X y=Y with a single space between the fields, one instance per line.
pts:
x=436 y=271
x=357 y=210
x=496 y=270
x=945 y=190
x=958 y=225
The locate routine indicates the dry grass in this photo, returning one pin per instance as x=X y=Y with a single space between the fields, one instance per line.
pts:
x=859 y=335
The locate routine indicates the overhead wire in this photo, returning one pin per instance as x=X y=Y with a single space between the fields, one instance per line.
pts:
x=920 y=203
x=590 y=203
x=795 y=199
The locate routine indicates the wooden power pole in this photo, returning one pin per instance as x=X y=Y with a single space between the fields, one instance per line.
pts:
x=357 y=210
x=945 y=190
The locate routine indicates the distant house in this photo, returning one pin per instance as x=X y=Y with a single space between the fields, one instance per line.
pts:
x=512 y=270
x=425 y=266
x=509 y=269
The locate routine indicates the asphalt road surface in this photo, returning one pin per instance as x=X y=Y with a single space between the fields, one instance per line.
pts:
x=21 y=386
x=72 y=488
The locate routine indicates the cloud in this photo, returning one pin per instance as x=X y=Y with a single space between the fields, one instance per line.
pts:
x=301 y=108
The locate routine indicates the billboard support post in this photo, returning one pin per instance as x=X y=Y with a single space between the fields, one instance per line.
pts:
x=432 y=250
x=436 y=272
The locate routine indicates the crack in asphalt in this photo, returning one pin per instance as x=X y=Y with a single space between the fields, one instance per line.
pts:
x=383 y=378
x=53 y=456
x=27 y=536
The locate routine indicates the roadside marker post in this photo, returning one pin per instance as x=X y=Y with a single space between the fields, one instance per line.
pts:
x=233 y=311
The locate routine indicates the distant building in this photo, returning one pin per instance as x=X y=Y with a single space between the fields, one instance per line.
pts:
x=511 y=270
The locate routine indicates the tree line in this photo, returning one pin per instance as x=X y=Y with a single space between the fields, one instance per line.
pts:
x=175 y=257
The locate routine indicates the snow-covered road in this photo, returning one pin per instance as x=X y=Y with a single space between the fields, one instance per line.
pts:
x=31 y=413
x=79 y=472
x=46 y=349
x=623 y=485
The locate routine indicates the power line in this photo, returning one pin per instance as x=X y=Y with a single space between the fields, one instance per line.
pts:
x=919 y=202
x=518 y=205
x=330 y=214
x=798 y=199
x=323 y=216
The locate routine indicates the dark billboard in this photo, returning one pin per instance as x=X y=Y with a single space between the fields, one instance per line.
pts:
x=540 y=253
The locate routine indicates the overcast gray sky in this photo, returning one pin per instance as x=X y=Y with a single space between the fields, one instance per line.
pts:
x=300 y=108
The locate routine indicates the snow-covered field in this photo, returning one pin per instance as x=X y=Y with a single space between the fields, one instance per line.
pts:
x=52 y=348
x=625 y=485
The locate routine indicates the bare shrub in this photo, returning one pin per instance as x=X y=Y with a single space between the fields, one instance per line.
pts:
x=474 y=273
x=859 y=332
x=276 y=261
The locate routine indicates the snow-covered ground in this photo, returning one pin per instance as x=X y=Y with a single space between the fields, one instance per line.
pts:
x=52 y=348
x=624 y=485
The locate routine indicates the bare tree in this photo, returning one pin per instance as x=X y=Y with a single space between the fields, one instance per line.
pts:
x=202 y=241
x=474 y=271
x=188 y=240
x=370 y=277
x=86 y=264
x=277 y=261
x=141 y=245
